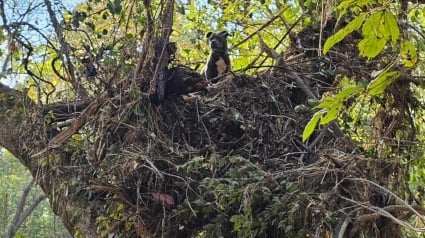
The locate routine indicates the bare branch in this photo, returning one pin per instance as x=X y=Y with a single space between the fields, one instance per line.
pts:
x=19 y=218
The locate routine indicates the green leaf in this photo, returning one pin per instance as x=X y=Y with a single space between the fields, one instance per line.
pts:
x=377 y=30
x=331 y=107
x=408 y=54
x=391 y=26
x=341 y=34
x=371 y=24
x=237 y=222
x=378 y=85
x=350 y=4
x=327 y=102
x=349 y=92
x=345 y=4
x=332 y=114
x=311 y=125
x=370 y=47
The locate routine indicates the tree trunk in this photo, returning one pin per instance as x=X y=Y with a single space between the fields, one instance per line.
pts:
x=23 y=133
x=228 y=162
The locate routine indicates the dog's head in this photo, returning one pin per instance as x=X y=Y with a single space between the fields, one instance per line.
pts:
x=218 y=40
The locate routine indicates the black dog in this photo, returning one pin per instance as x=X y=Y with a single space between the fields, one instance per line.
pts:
x=218 y=62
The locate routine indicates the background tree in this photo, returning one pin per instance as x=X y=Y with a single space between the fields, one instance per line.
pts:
x=243 y=159
x=34 y=214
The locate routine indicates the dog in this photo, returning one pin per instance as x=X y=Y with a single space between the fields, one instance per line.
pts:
x=218 y=62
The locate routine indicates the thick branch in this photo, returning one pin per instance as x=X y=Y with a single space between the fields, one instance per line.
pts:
x=161 y=69
x=77 y=124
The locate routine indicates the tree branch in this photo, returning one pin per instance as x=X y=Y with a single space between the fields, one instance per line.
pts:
x=160 y=73
x=77 y=124
x=65 y=49
x=18 y=219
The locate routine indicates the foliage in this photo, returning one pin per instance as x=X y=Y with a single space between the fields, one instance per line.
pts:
x=332 y=106
x=384 y=102
x=379 y=29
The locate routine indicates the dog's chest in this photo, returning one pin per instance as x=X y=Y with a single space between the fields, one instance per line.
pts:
x=221 y=66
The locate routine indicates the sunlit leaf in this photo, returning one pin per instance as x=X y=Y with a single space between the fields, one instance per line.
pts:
x=331 y=114
x=349 y=92
x=378 y=85
x=347 y=4
x=341 y=34
x=370 y=47
x=369 y=29
x=327 y=102
x=391 y=26
x=311 y=125
x=408 y=54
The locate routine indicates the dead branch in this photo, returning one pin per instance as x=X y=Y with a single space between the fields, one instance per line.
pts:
x=77 y=124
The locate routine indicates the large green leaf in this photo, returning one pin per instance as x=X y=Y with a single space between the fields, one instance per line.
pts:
x=371 y=25
x=331 y=106
x=370 y=47
x=327 y=102
x=341 y=34
x=332 y=114
x=391 y=26
x=311 y=125
x=377 y=30
x=378 y=85
x=350 y=4
x=349 y=92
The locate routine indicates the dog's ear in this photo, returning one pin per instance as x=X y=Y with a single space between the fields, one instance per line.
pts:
x=225 y=33
x=208 y=35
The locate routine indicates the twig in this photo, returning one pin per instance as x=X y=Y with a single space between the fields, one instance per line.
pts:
x=261 y=28
x=386 y=211
x=301 y=83
x=344 y=227
x=387 y=191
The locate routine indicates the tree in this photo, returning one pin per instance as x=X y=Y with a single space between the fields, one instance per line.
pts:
x=230 y=161
x=24 y=210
